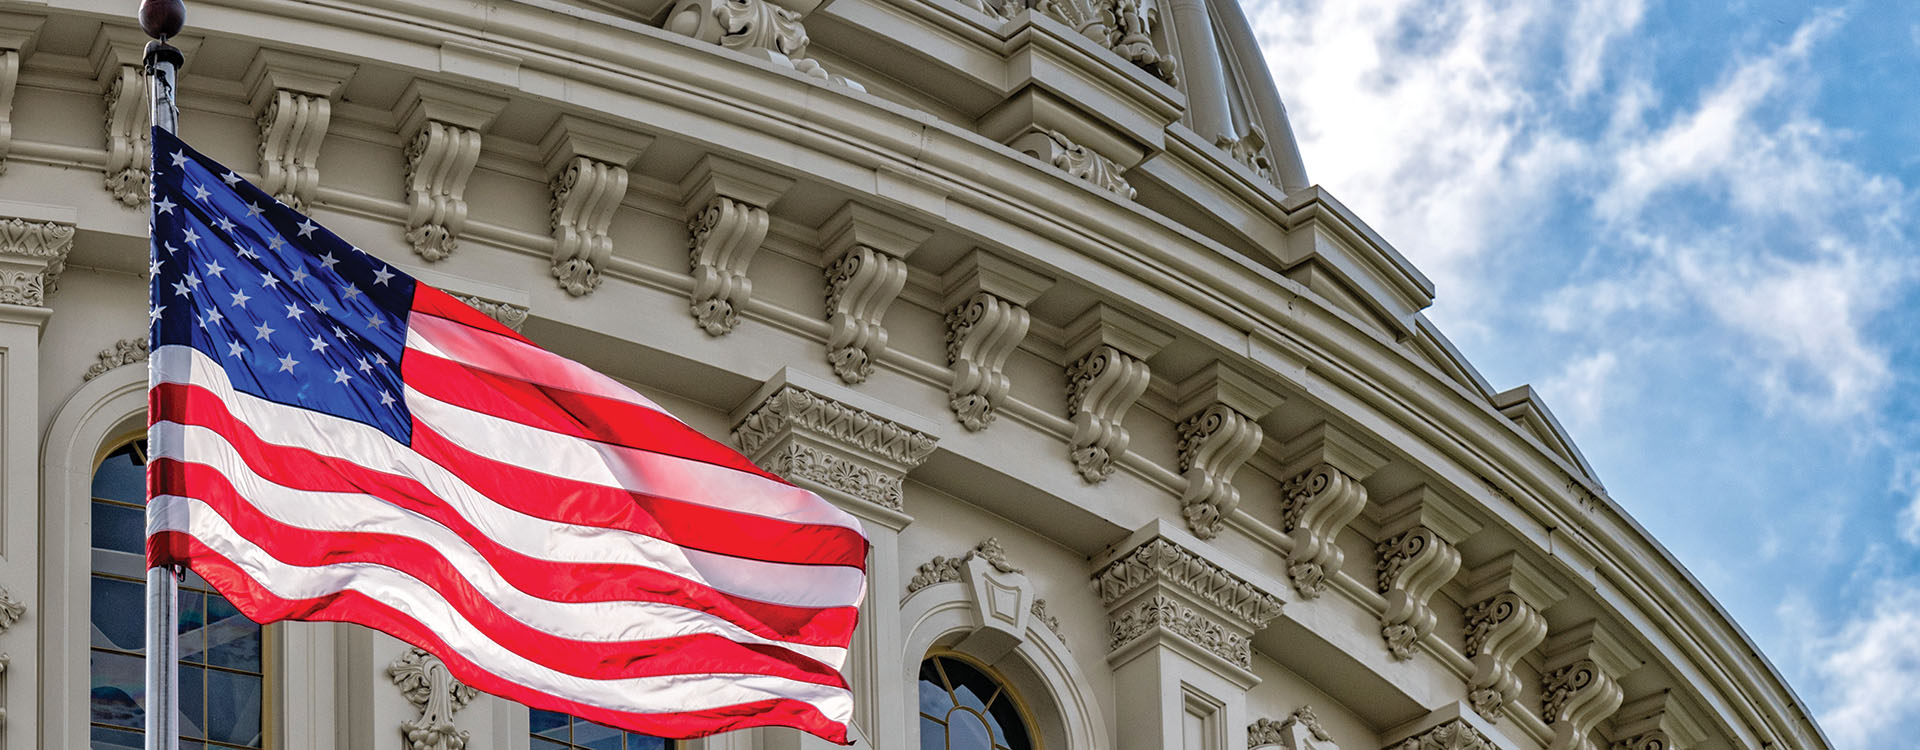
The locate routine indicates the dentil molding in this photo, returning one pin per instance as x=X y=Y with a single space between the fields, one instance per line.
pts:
x=1107 y=351
x=424 y=680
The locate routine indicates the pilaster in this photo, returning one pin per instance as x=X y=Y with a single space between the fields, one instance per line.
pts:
x=17 y=34
x=1223 y=406
x=865 y=251
x=1107 y=351
x=1322 y=492
x=986 y=303
x=589 y=165
x=441 y=126
x=1580 y=684
x=293 y=101
x=1504 y=623
x=1418 y=555
x=727 y=220
x=854 y=451
x=1180 y=634
x=34 y=243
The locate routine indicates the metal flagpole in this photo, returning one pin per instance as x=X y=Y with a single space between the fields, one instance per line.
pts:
x=162 y=19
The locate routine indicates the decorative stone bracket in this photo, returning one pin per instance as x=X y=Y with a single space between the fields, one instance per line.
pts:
x=1502 y=626
x=505 y=313
x=589 y=163
x=1580 y=686
x=1124 y=26
x=1656 y=722
x=293 y=102
x=427 y=685
x=727 y=220
x=1452 y=735
x=986 y=302
x=441 y=126
x=1321 y=495
x=32 y=256
x=865 y=251
x=1055 y=148
x=1418 y=557
x=1301 y=731
x=758 y=28
x=1108 y=350
x=1219 y=435
x=828 y=446
x=123 y=352
x=17 y=36
x=118 y=66
x=1160 y=593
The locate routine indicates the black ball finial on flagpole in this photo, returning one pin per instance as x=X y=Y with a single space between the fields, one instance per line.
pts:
x=162 y=19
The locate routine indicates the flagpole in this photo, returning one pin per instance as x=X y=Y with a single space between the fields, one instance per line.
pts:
x=162 y=19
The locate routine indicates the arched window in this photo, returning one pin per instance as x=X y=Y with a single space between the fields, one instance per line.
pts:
x=553 y=730
x=962 y=707
x=220 y=666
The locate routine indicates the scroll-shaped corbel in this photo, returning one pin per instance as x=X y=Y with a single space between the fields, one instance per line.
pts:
x=1107 y=373
x=1322 y=493
x=424 y=680
x=589 y=164
x=1219 y=434
x=987 y=298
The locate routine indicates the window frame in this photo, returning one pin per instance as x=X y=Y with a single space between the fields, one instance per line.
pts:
x=1004 y=688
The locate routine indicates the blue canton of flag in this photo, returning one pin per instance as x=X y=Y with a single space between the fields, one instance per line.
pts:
x=293 y=313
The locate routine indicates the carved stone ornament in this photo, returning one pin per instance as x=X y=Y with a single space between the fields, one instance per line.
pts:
x=1235 y=609
x=1249 y=149
x=981 y=333
x=1412 y=566
x=1101 y=387
x=1046 y=618
x=724 y=238
x=861 y=284
x=1574 y=700
x=129 y=122
x=32 y=256
x=1301 y=731
x=9 y=82
x=1314 y=506
x=427 y=685
x=440 y=158
x=1055 y=148
x=1120 y=25
x=1500 y=630
x=585 y=194
x=754 y=27
x=1651 y=740
x=123 y=352
x=11 y=610
x=506 y=314
x=942 y=569
x=801 y=435
x=1213 y=445
x=1453 y=735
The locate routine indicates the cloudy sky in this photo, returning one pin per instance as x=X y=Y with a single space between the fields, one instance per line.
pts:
x=1695 y=228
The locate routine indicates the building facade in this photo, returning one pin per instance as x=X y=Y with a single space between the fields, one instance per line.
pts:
x=1153 y=442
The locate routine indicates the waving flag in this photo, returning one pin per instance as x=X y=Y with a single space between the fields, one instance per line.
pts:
x=333 y=440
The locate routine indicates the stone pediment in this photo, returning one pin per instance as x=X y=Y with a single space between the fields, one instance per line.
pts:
x=1522 y=405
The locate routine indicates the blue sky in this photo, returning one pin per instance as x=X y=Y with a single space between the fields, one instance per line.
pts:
x=1695 y=228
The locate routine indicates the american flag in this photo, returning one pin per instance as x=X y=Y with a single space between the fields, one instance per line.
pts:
x=335 y=441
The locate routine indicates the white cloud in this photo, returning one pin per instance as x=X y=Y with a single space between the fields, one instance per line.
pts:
x=1869 y=665
x=1596 y=24
x=1583 y=391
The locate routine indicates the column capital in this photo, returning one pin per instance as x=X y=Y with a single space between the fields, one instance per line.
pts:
x=34 y=243
x=1162 y=593
x=833 y=442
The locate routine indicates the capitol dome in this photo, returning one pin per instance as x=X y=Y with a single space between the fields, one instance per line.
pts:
x=1152 y=438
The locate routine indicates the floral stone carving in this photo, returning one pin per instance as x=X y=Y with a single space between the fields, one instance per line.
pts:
x=427 y=685
x=1412 y=566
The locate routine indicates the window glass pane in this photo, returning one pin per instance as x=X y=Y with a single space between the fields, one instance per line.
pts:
x=119 y=528
x=114 y=739
x=552 y=730
x=193 y=702
x=933 y=734
x=193 y=626
x=970 y=687
x=595 y=737
x=540 y=744
x=933 y=697
x=121 y=477
x=233 y=641
x=552 y=724
x=966 y=731
x=1008 y=729
x=119 y=694
x=643 y=742
x=119 y=614
x=233 y=708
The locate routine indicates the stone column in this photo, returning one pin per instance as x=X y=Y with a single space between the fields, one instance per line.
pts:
x=854 y=451
x=1503 y=624
x=1181 y=630
x=1325 y=466
x=1580 y=682
x=34 y=242
x=1206 y=80
x=1416 y=556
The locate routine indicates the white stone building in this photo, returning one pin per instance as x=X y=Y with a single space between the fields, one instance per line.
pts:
x=1155 y=445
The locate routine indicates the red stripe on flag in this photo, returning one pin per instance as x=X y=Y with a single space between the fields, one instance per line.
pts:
x=261 y=605
x=434 y=302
